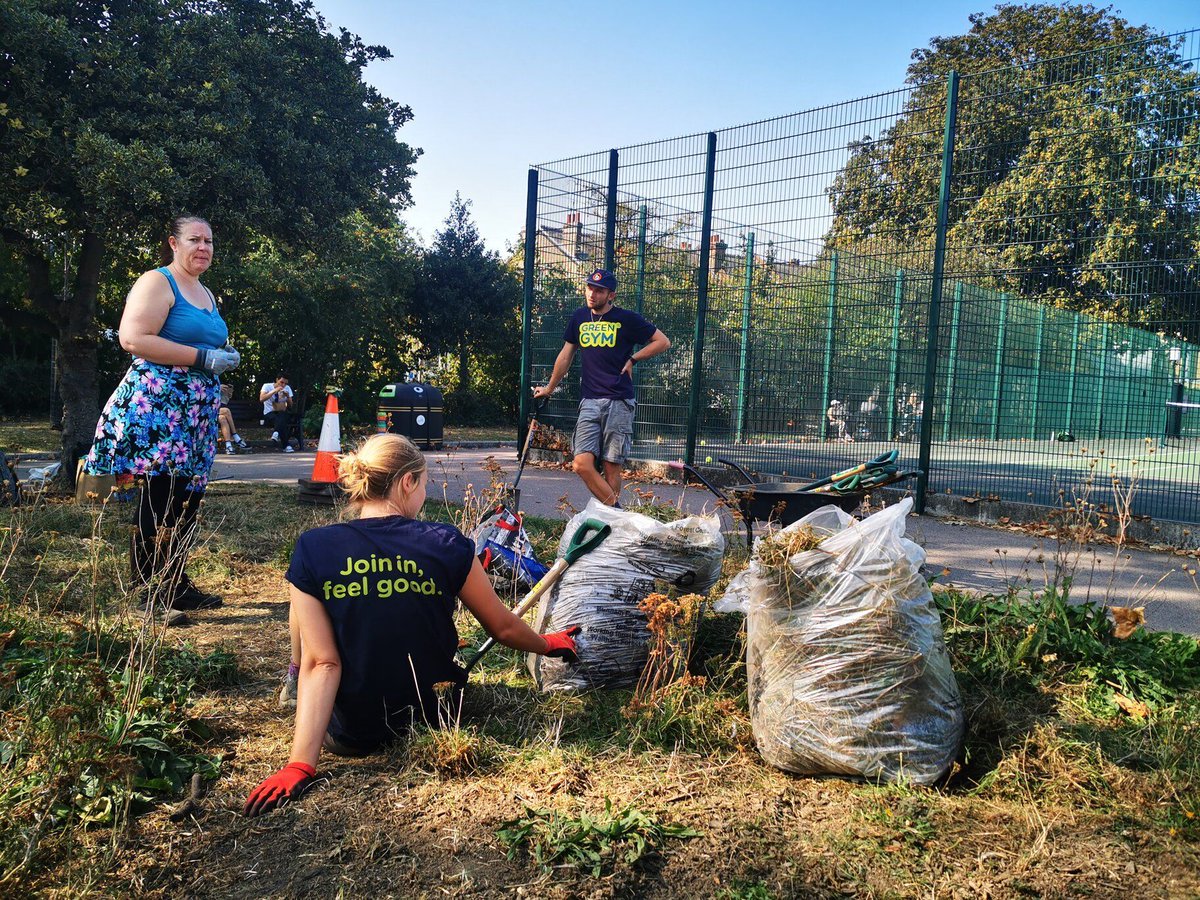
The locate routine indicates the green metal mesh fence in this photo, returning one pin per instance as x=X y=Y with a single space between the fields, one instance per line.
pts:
x=1014 y=322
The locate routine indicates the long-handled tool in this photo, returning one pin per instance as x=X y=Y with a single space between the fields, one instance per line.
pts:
x=587 y=537
x=500 y=540
x=515 y=490
x=730 y=504
x=882 y=461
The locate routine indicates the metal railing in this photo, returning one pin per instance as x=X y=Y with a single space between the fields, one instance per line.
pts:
x=995 y=271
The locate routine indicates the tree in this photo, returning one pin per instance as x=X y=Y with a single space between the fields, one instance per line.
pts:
x=334 y=312
x=116 y=116
x=468 y=303
x=1075 y=177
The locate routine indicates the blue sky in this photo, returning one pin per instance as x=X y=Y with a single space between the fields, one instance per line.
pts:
x=495 y=87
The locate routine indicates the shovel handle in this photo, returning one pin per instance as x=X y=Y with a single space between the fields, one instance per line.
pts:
x=587 y=537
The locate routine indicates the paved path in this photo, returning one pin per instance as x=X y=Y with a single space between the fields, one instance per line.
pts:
x=977 y=556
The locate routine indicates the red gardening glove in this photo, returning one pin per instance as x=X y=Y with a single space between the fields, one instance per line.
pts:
x=286 y=784
x=561 y=644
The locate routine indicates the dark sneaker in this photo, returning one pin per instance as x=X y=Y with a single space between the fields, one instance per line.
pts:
x=191 y=597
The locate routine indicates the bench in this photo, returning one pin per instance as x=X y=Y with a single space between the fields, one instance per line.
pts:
x=248 y=415
x=245 y=411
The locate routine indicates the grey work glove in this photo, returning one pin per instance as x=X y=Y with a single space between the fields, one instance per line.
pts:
x=217 y=361
x=237 y=357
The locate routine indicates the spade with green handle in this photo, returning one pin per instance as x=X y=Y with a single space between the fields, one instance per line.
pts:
x=587 y=537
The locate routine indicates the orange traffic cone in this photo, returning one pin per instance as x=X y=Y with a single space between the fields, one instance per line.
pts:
x=329 y=445
x=323 y=488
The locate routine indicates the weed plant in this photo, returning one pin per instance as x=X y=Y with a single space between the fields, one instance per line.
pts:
x=84 y=741
x=1047 y=641
x=95 y=722
x=587 y=842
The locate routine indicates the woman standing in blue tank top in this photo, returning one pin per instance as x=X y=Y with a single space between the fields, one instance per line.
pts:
x=160 y=424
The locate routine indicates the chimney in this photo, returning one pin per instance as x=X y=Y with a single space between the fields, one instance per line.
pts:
x=572 y=235
x=717 y=248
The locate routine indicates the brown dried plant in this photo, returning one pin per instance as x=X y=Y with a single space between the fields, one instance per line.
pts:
x=672 y=623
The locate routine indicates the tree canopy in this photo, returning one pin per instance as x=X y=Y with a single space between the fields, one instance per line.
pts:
x=1076 y=177
x=468 y=303
x=116 y=116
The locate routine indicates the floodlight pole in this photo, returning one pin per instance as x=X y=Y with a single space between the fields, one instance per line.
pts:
x=689 y=450
x=935 y=296
x=531 y=202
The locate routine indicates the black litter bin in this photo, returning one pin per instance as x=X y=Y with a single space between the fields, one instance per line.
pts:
x=413 y=410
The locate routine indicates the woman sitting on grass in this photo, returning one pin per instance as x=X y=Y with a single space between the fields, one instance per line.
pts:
x=374 y=599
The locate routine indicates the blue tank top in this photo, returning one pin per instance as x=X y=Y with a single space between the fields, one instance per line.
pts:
x=203 y=329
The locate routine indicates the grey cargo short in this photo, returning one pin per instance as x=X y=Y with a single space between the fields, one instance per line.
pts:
x=605 y=429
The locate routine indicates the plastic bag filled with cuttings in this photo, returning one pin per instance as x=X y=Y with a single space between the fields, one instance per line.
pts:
x=847 y=670
x=601 y=592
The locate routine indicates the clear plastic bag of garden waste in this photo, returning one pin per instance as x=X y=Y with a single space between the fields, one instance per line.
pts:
x=847 y=669
x=601 y=592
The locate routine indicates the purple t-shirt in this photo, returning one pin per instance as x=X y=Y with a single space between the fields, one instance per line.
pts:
x=605 y=344
x=388 y=584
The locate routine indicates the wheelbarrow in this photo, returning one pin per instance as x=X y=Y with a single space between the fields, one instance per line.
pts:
x=780 y=501
x=786 y=502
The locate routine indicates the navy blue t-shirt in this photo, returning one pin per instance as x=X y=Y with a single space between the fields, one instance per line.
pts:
x=605 y=344
x=389 y=585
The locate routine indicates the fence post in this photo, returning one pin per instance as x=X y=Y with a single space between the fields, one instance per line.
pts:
x=1103 y=381
x=640 y=289
x=998 y=380
x=830 y=339
x=952 y=360
x=639 y=295
x=744 y=361
x=1037 y=373
x=1071 y=374
x=935 y=294
x=610 y=214
x=531 y=202
x=710 y=165
x=894 y=363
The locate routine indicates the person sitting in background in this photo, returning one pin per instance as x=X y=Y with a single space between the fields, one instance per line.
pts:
x=836 y=415
x=229 y=432
x=374 y=600
x=277 y=400
x=916 y=411
x=868 y=416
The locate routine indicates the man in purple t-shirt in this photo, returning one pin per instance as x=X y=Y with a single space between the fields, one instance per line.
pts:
x=606 y=337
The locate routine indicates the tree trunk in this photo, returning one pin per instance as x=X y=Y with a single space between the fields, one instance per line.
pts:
x=78 y=358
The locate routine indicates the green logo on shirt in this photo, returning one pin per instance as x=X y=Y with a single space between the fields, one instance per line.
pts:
x=393 y=575
x=598 y=334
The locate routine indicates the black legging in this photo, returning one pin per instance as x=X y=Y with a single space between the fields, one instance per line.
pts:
x=164 y=503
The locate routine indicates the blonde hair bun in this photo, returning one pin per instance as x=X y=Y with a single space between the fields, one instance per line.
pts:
x=369 y=472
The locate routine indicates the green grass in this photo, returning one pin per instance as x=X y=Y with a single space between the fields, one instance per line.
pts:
x=28 y=436
x=96 y=726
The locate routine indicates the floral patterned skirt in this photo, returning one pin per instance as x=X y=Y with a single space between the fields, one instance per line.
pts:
x=161 y=420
